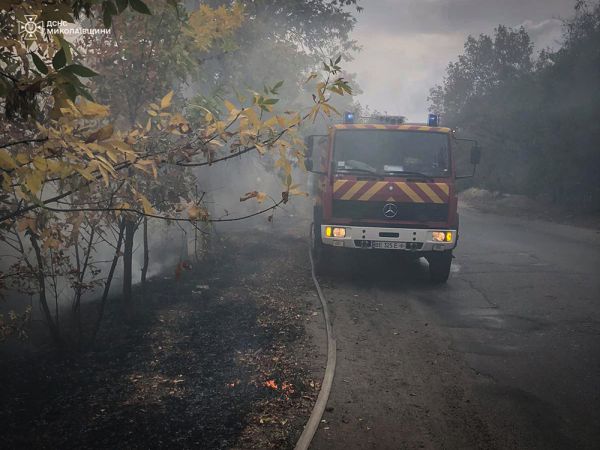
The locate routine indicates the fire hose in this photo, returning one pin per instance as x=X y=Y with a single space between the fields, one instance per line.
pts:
x=317 y=413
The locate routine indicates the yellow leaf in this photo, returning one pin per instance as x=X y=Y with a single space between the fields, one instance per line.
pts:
x=91 y=109
x=22 y=158
x=252 y=117
x=261 y=197
x=197 y=213
x=54 y=166
x=111 y=154
x=33 y=182
x=248 y=196
x=25 y=223
x=166 y=100
x=230 y=106
x=85 y=173
x=100 y=135
x=312 y=76
x=296 y=191
x=146 y=204
x=6 y=160
x=104 y=174
x=152 y=113
x=270 y=123
x=40 y=163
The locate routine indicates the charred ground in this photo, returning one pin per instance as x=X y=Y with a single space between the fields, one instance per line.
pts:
x=190 y=371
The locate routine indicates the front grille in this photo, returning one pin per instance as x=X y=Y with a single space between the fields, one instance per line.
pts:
x=417 y=212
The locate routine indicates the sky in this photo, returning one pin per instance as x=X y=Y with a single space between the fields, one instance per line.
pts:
x=407 y=44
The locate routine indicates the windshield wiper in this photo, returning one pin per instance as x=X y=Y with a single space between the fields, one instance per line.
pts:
x=404 y=172
x=356 y=169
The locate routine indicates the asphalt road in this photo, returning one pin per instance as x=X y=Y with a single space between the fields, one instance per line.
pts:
x=505 y=355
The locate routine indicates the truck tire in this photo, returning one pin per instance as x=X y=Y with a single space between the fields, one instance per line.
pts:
x=321 y=252
x=439 y=266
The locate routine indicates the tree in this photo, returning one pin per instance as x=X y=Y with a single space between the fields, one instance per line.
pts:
x=81 y=157
x=536 y=117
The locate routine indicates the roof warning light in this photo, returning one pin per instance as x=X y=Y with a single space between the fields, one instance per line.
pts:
x=433 y=120
x=348 y=117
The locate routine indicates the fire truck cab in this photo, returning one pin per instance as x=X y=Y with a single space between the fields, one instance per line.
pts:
x=386 y=187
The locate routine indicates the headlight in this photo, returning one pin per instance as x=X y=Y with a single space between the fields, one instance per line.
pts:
x=335 y=232
x=442 y=236
x=438 y=236
x=339 y=232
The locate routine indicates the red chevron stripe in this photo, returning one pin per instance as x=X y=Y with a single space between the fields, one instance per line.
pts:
x=441 y=194
x=345 y=188
x=362 y=190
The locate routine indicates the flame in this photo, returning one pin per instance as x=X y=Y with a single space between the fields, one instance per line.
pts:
x=289 y=388
x=271 y=384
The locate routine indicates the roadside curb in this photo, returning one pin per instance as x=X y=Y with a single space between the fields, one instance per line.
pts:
x=315 y=417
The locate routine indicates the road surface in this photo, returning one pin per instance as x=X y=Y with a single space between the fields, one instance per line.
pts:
x=505 y=355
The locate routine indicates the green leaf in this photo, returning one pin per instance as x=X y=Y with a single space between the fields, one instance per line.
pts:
x=66 y=47
x=108 y=11
x=337 y=61
x=121 y=5
x=139 y=6
x=80 y=71
x=276 y=87
x=70 y=91
x=59 y=59
x=271 y=101
x=39 y=64
x=82 y=91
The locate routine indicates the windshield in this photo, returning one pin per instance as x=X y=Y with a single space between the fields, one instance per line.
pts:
x=391 y=152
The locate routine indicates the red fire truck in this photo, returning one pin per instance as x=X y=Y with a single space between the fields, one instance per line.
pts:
x=386 y=186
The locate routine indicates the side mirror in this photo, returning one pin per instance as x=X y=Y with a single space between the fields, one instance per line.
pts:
x=308 y=153
x=475 y=155
x=308 y=143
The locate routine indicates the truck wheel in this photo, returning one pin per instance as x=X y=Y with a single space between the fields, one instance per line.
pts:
x=321 y=252
x=439 y=266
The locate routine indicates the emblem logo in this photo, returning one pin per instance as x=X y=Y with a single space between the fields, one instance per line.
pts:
x=390 y=210
x=29 y=28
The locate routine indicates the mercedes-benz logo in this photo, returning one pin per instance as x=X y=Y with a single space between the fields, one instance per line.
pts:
x=390 y=210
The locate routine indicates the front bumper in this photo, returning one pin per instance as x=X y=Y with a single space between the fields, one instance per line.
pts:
x=402 y=239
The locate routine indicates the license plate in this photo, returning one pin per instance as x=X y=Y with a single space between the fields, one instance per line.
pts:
x=388 y=245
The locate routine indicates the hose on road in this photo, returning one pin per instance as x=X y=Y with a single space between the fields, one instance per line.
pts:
x=315 y=417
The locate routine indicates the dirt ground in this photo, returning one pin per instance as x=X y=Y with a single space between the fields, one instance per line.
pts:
x=219 y=359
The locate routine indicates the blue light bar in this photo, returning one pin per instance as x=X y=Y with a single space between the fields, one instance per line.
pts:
x=348 y=117
x=433 y=120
